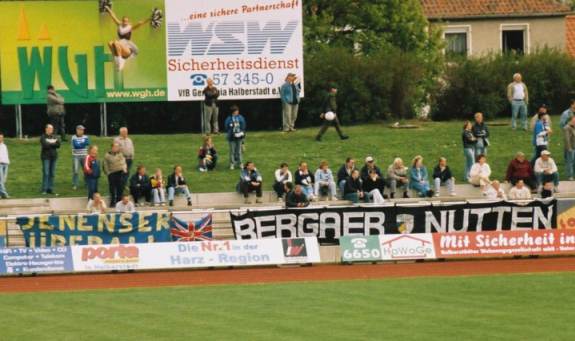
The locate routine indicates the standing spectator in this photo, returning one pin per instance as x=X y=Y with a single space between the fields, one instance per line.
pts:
x=569 y=132
x=207 y=155
x=125 y=205
x=177 y=184
x=92 y=171
x=80 y=143
x=236 y=133
x=126 y=148
x=541 y=134
x=251 y=181
x=282 y=176
x=330 y=105
x=519 y=192
x=481 y=134
x=373 y=188
x=96 y=204
x=211 y=110
x=290 y=92
x=520 y=169
x=442 y=176
x=398 y=177
x=305 y=180
x=4 y=163
x=56 y=112
x=324 y=181
x=469 y=142
x=49 y=155
x=158 y=188
x=368 y=166
x=518 y=97
x=493 y=191
x=546 y=170
x=140 y=186
x=296 y=197
x=115 y=168
x=353 y=190
x=344 y=172
x=480 y=173
x=419 y=178
x=567 y=114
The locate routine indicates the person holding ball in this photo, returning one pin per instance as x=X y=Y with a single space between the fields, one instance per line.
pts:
x=329 y=116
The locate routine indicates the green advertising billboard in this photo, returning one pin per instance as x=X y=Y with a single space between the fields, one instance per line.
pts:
x=71 y=45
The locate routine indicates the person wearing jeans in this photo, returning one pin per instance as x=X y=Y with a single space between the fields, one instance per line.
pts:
x=442 y=175
x=518 y=97
x=344 y=172
x=236 y=133
x=546 y=170
x=116 y=169
x=250 y=181
x=418 y=178
x=49 y=155
x=177 y=184
x=397 y=177
x=4 y=163
x=324 y=181
x=92 y=171
x=481 y=134
x=305 y=179
x=569 y=133
x=469 y=142
x=80 y=143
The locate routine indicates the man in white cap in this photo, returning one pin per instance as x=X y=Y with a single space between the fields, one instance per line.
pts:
x=369 y=165
x=546 y=170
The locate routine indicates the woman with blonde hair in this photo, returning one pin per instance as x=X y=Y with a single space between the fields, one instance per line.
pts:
x=419 y=178
x=397 y=176
x=324 y=181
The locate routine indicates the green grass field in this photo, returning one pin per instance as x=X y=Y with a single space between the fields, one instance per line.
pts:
x=513 y=307
x=269 y=149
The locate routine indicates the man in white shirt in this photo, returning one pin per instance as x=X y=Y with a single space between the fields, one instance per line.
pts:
x=125 y=205
x=545 y=170
x=282 y=176
x=494 y=191
x=126 y=148
x=4 y=162
x=519 y=191
x=518 y=97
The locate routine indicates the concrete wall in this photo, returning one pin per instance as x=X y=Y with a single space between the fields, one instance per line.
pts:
x=485 y=34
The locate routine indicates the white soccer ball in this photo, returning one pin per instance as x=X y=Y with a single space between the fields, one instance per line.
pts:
x=330 y=116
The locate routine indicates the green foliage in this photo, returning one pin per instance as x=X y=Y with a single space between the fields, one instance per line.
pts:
x=480 y=84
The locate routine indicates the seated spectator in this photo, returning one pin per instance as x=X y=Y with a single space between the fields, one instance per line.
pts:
x=324 y=181
x=125 y=205
x=442 y=176
x=177 y=185
x=353 y=190
x=493 y=191
x=251 y=181
x=295 y=197
x=418 y=178
x=305 y=180
x=397 y=177
x=520 y=169
x=344 y=172
x=96 y=205
x=480 y=173
x=158 y=188
x=207 y=155
x=546 y=170
x=369 y=165
x=140 y=186
x=373 y=188
x=547 y=191
x=282 y=176
x=519 y=191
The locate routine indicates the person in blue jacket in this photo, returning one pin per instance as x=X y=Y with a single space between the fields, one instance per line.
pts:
x=236 y=133
x=419 y=178
x=541 y=133
x=290 y=93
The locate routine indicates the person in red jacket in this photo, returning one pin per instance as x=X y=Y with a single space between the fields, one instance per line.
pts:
x=92 y=171
x=520 y=169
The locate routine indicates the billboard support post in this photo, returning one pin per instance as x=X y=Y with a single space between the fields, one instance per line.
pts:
x=103 y=120
x=18 y=112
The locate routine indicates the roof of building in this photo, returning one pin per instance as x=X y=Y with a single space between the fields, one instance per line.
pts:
x=570 y=34
x=473 y=9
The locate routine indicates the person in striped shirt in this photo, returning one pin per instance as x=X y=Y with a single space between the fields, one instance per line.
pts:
x=80 y=143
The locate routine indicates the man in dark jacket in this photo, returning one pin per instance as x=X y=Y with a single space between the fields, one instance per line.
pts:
x=330 y=105
x=481 y=133
x=344 y=172
x=296 y=197
x=56 y=112
x=210 y=109
x=49 y=155
x=140 y=185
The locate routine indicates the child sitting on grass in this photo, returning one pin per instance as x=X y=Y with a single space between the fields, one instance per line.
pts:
x=207 y=155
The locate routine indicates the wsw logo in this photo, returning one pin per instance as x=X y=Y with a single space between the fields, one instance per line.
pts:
x=230 y=37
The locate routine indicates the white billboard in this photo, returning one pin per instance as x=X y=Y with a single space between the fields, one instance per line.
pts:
x=246 y=47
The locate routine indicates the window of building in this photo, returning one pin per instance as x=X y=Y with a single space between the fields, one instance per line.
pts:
x=515 y=39
x=457 y=40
